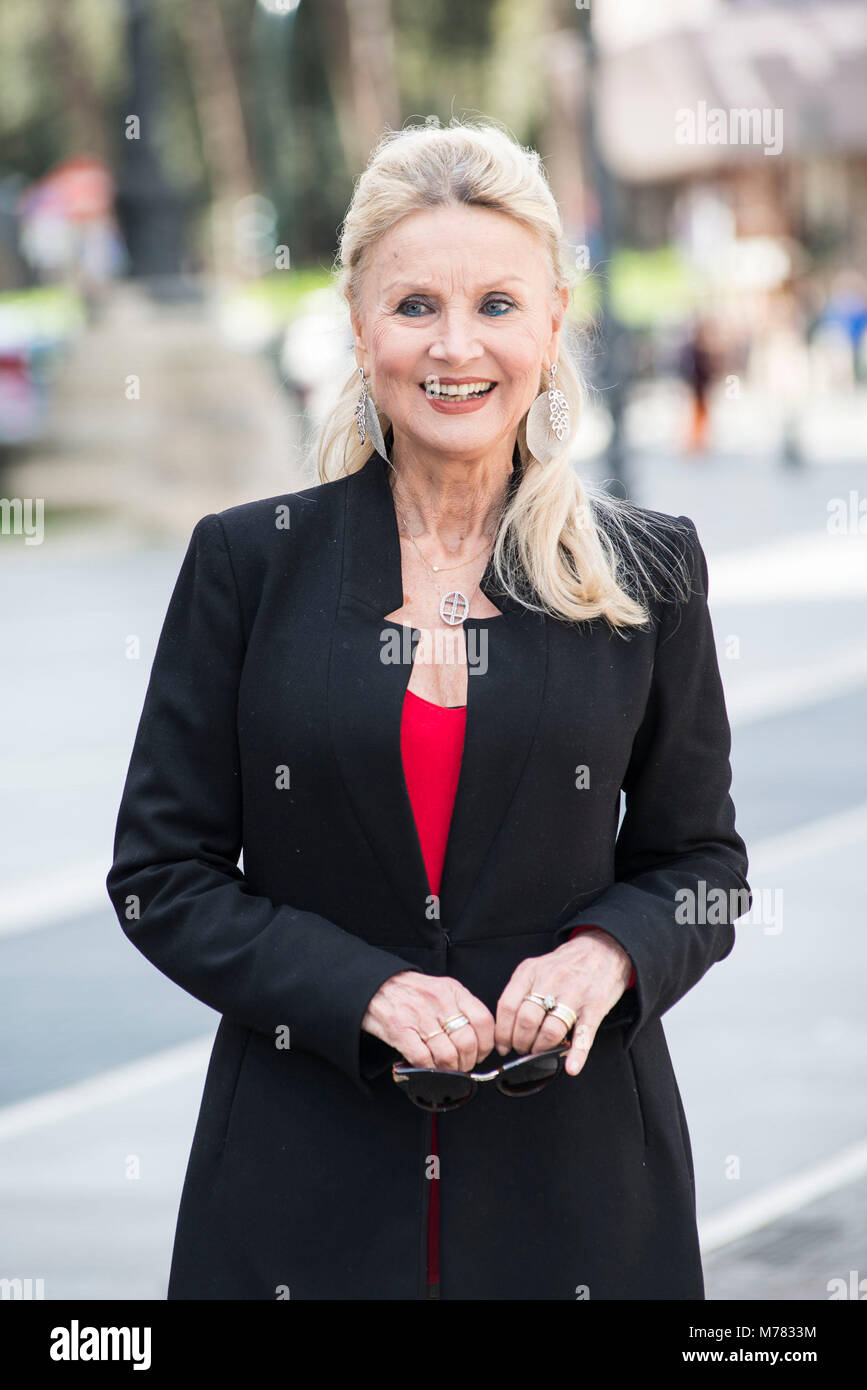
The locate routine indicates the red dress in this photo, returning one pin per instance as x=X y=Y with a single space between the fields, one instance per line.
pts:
x=431 y=744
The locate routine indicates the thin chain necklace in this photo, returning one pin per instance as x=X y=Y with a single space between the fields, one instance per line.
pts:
x=441 y=569
x=455 y=605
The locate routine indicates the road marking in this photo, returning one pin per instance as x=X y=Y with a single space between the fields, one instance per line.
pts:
x=118 y=1084
x=803 y=566
x=40 y=901
x=840 y=830
x=782 y=1198
x=795 y=688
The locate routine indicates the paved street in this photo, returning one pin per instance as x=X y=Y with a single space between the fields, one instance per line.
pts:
x=108 y=1058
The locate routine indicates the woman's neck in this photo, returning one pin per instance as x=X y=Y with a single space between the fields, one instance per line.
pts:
x=459 y=504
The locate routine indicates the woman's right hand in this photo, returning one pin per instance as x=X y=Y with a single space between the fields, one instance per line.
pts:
x=410 y=1005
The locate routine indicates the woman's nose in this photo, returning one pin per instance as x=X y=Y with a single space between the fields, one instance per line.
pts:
x=456 y=342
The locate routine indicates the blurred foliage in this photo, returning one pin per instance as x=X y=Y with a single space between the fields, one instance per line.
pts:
x=49 y=311
x=64 y=91
x=651 y=287
x=285 y=292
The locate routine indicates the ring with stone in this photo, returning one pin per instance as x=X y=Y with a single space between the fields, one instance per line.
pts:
x=546 y=1001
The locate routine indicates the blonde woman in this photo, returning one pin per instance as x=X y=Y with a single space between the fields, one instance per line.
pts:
x=412 y=694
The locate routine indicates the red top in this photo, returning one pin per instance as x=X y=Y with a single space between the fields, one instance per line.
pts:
x=431 y=745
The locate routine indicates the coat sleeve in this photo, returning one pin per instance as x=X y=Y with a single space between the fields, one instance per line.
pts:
x=174 y=882
x=678 y=831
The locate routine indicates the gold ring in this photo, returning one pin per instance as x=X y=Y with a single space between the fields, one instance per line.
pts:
x=433 y=1034
x=565 y=1015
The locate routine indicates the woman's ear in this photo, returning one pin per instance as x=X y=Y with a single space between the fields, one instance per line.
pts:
x=358 y=339
x=561 y=304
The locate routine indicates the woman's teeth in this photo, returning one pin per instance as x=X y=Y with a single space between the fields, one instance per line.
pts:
x=462 y=392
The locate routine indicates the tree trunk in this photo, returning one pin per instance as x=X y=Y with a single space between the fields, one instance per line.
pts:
x=221 y=124
x=360 y=65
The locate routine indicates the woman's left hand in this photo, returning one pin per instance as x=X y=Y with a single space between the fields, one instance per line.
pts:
x=587 y=973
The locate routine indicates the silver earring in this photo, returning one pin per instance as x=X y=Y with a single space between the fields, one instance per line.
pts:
x=548 y=422
x=367 y=419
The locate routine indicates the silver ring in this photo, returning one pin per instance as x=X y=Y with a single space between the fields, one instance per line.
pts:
x=451 y=1025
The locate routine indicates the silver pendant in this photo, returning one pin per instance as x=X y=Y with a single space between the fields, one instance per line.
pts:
x=454 y=608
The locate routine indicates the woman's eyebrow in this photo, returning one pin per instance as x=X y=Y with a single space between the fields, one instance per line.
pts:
x=493 y=285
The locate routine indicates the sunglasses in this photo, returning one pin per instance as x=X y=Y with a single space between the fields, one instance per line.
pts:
x=434 y=1090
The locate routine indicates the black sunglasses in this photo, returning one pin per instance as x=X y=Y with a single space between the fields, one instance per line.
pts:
x=434 y=1090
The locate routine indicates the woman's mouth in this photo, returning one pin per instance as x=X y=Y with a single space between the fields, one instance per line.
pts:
x=457 y=397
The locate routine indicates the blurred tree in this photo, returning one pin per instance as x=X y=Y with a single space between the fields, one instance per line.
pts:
x=62 y=68
x=84 y=112
x=264 y=96
x=222 y=127
x=360 y=45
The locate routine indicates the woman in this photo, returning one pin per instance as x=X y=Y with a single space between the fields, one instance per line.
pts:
x=422 y=838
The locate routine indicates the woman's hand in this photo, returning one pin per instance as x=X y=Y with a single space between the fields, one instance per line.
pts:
x=588 y=973
x=409 y=1006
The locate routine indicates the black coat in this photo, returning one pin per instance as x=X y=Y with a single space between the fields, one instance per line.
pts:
x=271 y=723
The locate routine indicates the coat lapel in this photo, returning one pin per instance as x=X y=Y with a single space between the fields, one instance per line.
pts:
x=369 y=672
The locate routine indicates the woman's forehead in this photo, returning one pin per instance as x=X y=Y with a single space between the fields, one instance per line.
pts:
x=466 y=219
x=418 y=251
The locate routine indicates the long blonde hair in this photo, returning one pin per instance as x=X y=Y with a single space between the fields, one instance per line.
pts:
x=564 y=545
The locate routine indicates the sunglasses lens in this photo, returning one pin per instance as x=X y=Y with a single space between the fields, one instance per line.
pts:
x=439 y=1090
x=530 y=1074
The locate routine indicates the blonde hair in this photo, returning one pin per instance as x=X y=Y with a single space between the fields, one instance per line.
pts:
x=564 y=546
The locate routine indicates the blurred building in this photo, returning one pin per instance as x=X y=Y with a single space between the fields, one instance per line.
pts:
x=727 y=120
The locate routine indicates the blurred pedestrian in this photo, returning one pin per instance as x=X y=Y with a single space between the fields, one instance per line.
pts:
x=697 y=369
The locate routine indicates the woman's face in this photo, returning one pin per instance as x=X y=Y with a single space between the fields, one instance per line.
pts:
x=457 y=295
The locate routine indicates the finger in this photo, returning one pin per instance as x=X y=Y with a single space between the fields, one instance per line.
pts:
x=465 y=1045
x=482 y=1021
x=459 y=1043
x=528 y=1020
x=507 y=1008
x=443 y=1050
x=464 y=1038
x=410 y=1046
x=552 y=1032
x=582 y=1041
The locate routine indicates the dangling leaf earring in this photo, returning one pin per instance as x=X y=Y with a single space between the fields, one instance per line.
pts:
x=367 y=420
x=548 y=422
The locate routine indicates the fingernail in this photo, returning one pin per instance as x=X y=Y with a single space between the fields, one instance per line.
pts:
x=501 y=1049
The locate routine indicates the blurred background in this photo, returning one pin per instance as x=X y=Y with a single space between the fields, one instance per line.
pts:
x=172 y=177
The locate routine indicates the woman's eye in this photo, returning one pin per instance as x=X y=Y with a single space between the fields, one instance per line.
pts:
x=408 y=306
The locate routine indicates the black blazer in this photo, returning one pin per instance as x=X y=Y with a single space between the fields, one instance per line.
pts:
x=272 y=724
